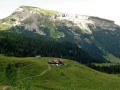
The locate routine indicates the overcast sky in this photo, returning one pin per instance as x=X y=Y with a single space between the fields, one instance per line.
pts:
x=109 y=9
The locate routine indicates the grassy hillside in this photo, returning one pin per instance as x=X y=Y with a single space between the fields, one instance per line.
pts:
x=39 y=10
x=71 y=76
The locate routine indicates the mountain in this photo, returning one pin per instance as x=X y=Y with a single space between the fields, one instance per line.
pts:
x=71 y=76
x=98 y=37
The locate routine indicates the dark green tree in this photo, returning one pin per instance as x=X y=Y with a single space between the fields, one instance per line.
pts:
x=11 y=74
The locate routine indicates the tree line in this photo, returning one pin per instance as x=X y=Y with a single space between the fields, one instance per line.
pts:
x=111 y=69
x=18 y=45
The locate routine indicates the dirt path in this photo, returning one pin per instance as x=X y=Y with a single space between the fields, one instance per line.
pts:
x=49 y=67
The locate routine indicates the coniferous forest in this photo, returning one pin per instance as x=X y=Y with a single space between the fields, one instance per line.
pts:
x=18 y=45
x=112 y=69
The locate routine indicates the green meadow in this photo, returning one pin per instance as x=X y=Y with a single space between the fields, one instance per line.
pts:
x=70 y=76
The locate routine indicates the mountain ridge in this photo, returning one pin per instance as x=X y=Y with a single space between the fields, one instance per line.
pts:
x=95 y=35
x=26 y=11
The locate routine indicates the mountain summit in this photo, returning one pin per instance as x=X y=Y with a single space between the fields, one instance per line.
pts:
x=99 y=37
x=30 y=18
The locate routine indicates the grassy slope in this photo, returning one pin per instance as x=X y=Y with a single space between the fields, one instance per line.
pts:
x=71 y=76
x=112 y=58
x=41 y=11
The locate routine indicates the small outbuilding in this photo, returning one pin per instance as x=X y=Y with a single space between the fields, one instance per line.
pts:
x=38 y=56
